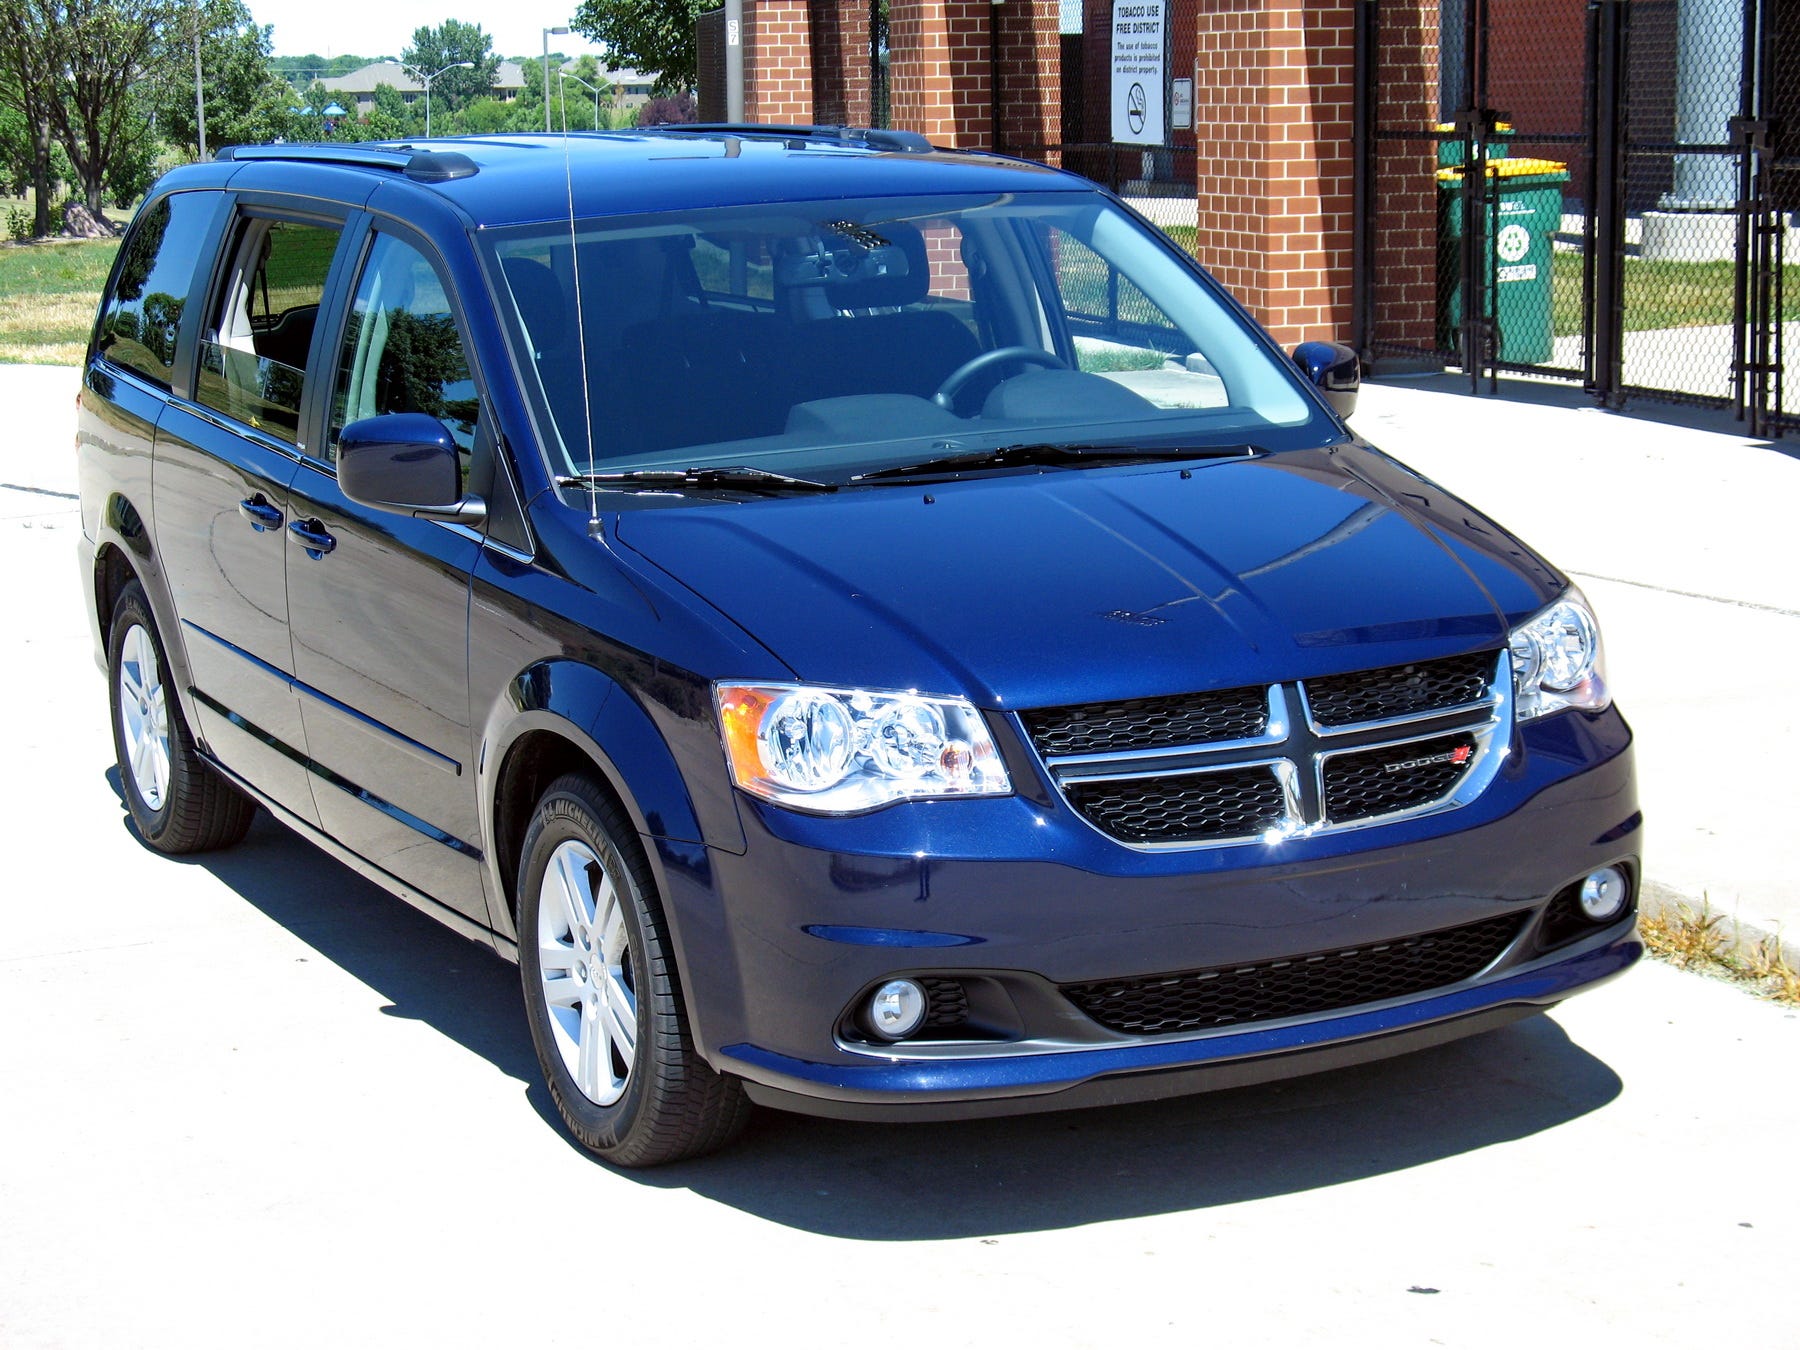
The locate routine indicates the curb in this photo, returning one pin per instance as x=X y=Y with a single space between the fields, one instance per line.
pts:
x=1740 y=938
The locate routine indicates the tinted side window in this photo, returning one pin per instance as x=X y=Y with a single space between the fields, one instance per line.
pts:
x=401 y=350
x=253 y=349
x=143 y=312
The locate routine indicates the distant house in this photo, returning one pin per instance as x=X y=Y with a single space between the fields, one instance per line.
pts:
x=361 y=84
x=630 y=89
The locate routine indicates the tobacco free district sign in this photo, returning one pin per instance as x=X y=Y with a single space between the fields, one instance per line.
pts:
x=1137 y=72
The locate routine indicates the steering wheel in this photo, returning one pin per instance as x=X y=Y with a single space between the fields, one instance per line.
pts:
x=968 y=370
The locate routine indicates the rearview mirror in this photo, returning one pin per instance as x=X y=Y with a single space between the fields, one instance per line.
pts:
x=1334 y=371
x=406 y=463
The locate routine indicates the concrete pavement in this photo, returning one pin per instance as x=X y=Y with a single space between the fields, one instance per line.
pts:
x=252 y=1100
x=1682 y=532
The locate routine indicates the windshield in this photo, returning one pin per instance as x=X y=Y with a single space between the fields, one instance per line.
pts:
x=831 y=339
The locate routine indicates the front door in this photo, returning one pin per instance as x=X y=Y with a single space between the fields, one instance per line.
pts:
x=378 y=602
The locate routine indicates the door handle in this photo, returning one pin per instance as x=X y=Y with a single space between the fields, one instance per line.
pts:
x=313 y=537
x=260 y=514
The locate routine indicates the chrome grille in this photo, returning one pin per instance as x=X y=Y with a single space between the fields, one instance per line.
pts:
x=1225 y=804
x=1298 y=986
x=1303 y=757
x=1150 y=723
x=1391 y=778
x=1399 y=691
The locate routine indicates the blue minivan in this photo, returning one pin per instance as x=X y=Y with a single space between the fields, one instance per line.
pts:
x=871 y=630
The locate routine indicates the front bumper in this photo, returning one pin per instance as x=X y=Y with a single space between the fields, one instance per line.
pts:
x=1151 y=1070
x=779 y=943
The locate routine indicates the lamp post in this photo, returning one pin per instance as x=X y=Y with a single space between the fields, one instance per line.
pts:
x=547 y=33
x=565 y=75
x=454 y=65
x=199 y=88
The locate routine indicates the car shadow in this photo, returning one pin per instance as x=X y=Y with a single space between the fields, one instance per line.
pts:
x=972 y=1178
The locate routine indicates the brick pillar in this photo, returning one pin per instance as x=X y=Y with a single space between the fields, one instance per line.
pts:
x=1030 y=77
x=1274 y=168
x=777 y=62
x=840 y=63
x=1404 y=196
x=938 y=70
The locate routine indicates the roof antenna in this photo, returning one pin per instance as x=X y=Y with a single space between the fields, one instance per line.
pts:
x=587 y=407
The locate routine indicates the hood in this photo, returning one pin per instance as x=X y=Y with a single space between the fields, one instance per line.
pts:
x=1024 y=590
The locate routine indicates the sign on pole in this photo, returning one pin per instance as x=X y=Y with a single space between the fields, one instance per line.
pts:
x=1137 y=72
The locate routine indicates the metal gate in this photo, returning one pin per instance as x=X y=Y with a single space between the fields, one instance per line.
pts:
x=1158 y=179
x=1594 y=192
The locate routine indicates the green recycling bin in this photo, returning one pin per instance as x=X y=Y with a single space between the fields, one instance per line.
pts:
x=1451 y=152
x=1524 y=214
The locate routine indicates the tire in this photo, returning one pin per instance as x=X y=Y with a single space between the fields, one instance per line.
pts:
x=601 y=993
x=178 y=802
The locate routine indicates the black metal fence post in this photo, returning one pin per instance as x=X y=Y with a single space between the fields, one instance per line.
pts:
x=1603 y=231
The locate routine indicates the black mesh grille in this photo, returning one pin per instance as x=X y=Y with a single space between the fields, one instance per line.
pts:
x=1296 y=987
x=1395 y=777
x=946 y=1003
x=1400 y=691
x=1150 y=723
x=1183 y=808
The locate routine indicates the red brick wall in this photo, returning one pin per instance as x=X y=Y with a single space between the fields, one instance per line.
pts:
x=938 y=70
x=840 y=63
x=1030 y=76
x=1274 y=167
x=778 y=85
x=1405 y=182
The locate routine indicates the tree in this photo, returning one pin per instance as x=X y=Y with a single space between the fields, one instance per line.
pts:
x=76 y=65
x=668 y=111
x=28 y=80
x=654 y=36
x=391 y=119
x=434 y=48
x=245 y=102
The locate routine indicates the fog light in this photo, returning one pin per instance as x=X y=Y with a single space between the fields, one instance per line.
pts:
x=896 y=1010
x=1603 y=894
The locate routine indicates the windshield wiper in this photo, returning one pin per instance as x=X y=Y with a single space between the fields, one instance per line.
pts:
x=1055 y=453
x=742 y=476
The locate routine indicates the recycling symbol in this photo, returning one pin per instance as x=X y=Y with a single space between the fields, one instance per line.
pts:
x=1513 y=243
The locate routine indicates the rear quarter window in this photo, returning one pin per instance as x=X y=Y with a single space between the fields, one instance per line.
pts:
x=141 y=315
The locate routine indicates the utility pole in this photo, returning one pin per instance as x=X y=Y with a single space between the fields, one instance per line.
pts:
x=199 y=88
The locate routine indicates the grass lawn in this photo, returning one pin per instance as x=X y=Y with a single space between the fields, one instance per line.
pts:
x=50 y=292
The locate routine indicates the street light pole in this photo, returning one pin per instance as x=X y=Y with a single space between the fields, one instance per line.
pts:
x=565 y=75
x=454 y=65
x=547 y=33
x=199 y=88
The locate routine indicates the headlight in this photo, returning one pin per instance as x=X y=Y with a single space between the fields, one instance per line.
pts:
x=839 y=751
x=1556 y=660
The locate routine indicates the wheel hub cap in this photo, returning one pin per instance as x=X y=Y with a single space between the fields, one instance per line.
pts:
x=144 y=717
x=584 y=960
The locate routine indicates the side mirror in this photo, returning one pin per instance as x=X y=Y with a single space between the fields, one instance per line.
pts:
x=1334 y=371
x=406 y=463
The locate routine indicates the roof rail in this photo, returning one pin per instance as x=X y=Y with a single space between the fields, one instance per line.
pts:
x=422 y=166
x=876 y=138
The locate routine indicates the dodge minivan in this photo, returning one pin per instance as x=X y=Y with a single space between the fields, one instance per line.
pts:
x=870 y=630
